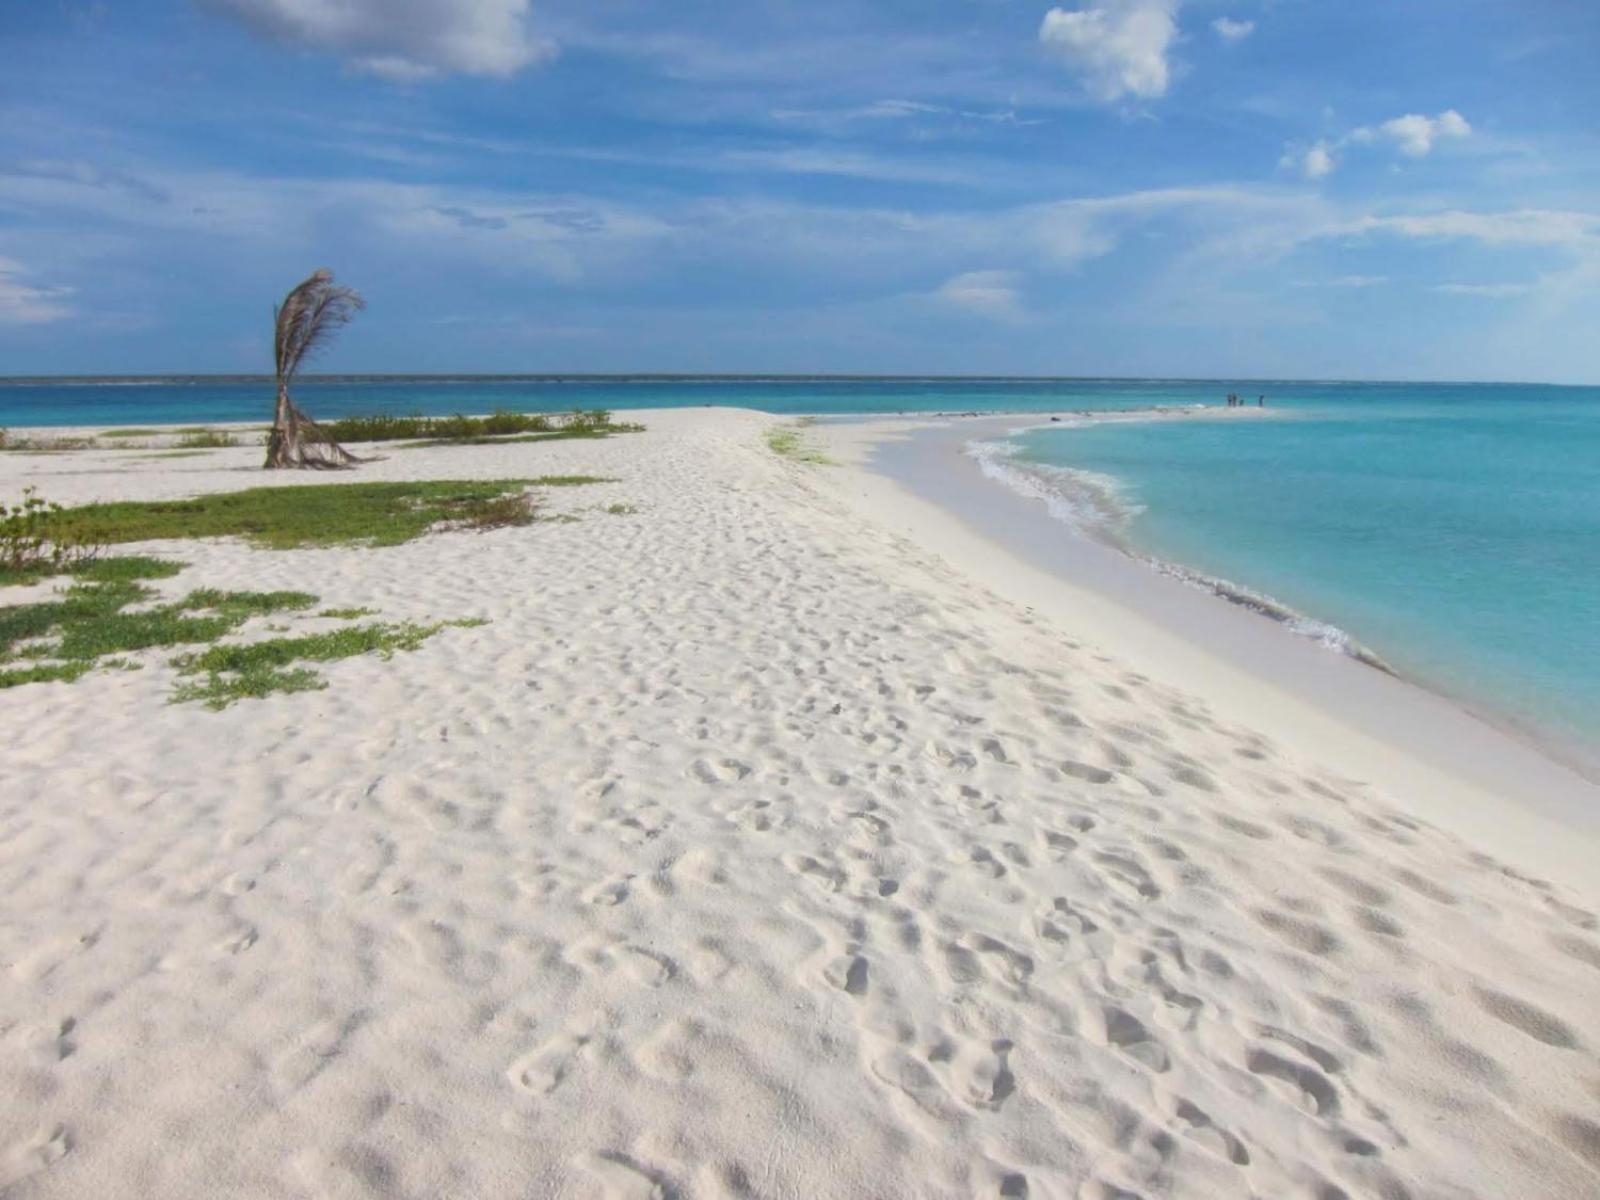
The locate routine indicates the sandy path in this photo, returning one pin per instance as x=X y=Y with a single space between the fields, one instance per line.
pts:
x=749 y=851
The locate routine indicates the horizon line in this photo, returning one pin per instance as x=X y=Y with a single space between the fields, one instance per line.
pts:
x=738 y=377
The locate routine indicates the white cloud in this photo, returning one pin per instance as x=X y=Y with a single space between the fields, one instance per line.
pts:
x=1314 y=162
x=23 y=303
x=1230 y=30
x=1526 y=227
x=992 y=293
x=403 y=40
x=1318 y=161
x=1491 y=291
x=1119 y=47
x=1415 y=134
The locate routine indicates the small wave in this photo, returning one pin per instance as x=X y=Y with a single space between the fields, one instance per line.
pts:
x=1090 y=502
x=1100 y=507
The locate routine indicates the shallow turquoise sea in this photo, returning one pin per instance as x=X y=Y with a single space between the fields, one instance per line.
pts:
x=1452 y=529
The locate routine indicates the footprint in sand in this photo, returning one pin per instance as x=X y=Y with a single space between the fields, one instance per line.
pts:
x=1058 y=921
x=848 y=972
x=1007 y=965
x=714 y=771
x=1085 y=771
x=1128 y=873
x=49 y=1144
x=1531 y=1020
x=610 y=892
x=828 y=878
x=543 y=1069
x=625 y=1178
x=1198 y=1126
x=1309 y=1087
x=1128 y=1034
x=672 y=1052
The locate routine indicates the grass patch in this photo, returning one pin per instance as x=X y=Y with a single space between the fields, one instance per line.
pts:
x=42 y=673
x=90 y=620
x=621 y=510
x=473 y=430
x=90 y=625
x=790 y=441
x=255 y=669
x=560 y=435
x=348 y=614
x=498 y=512
x=95 y=570
x=374 y=514
x=43 y=445
x=126 y=433
x=125 y=568
x=205 y=439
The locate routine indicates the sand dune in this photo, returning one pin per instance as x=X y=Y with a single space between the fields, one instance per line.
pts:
x=749 y=851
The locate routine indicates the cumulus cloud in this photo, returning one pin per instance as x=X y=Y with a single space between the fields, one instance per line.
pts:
x=403 y=40
x=992 y=293
x=1118 y=47
x=1317 y=161
x=1413 y=134
x=24 y=303
x=1230 y=30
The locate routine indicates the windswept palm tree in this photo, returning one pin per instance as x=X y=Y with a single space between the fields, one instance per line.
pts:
x=305 y=323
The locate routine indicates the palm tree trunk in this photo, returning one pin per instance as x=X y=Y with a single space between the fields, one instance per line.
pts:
x=298 y=441
x=283 y=443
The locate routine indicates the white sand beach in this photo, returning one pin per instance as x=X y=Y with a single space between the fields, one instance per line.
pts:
x=777 y=838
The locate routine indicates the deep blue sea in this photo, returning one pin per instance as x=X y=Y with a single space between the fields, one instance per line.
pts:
x=1452 y=529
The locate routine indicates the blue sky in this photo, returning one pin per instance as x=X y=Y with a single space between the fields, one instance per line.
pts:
x=1304 y=188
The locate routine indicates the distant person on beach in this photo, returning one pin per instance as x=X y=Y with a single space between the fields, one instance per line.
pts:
x=1261 y=401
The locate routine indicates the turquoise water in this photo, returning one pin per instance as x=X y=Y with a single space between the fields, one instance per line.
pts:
x=1453 y=531
x=179 y=400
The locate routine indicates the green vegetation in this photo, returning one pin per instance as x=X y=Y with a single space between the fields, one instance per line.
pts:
x=31 y=545
x=90 y=625
x=462 y=430
x=126 y=433
x=254 y=669
x=348 y=614
x=621 y=510
x=278 y=518
x=125 y=569
x=64 y=637
x=43 y=445
x=560 y=435
x=790 y=441
x=206 y=439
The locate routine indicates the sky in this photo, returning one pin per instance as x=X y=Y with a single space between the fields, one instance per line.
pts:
x=1332 y=189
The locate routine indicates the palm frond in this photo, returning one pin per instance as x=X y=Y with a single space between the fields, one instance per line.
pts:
x=308 y=319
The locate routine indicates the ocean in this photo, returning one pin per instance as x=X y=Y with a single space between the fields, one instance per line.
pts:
x=1451 y=530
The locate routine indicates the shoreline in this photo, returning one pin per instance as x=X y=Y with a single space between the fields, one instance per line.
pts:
x=995 y=462
x=1489 y=771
